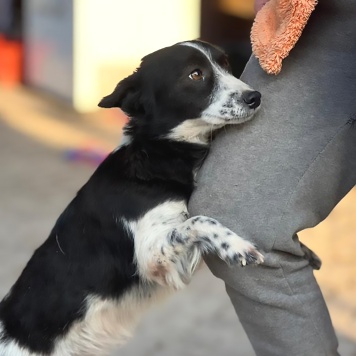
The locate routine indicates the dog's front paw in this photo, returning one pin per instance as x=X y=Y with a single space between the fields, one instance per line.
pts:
x=241 y=252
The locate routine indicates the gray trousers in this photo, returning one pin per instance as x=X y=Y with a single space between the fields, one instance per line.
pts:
x=282 y=172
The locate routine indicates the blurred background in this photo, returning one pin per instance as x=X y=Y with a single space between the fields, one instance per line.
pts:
x=57 y=59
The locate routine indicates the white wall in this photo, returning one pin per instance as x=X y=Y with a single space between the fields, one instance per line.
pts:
x=111 y=36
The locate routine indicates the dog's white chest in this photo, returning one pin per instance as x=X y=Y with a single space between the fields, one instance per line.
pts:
x=155 y=224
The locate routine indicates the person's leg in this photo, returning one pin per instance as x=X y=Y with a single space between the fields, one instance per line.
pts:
x=282 y=172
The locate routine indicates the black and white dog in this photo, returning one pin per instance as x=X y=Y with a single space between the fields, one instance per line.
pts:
x=126 y=238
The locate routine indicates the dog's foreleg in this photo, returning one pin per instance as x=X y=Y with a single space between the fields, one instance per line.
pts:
x=211 y=236
x=175 y=260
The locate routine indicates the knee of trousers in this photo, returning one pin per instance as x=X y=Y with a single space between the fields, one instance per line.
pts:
x=272 y=274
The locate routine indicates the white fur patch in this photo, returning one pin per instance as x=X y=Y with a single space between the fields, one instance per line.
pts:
x=151 y=231
x=193 y=131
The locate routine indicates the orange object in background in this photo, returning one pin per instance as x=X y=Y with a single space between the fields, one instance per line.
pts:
x=11 y=52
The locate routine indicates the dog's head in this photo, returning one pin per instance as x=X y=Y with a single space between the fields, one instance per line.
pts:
x=183 y=92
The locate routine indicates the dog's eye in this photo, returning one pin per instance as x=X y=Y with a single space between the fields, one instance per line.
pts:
x=197 y=74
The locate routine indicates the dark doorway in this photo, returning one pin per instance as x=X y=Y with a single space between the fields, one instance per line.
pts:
x=223 y=26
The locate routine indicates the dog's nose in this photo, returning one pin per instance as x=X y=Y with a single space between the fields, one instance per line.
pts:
x=252 y=98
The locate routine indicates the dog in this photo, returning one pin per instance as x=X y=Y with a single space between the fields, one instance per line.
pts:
x=126 y=239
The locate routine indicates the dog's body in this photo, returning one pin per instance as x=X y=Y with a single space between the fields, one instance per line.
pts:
x=126 y=238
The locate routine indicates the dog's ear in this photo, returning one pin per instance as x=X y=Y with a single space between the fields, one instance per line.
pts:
x=126 y=95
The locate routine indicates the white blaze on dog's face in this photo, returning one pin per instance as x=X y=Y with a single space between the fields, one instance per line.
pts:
x=232 y=100
x=183 y=92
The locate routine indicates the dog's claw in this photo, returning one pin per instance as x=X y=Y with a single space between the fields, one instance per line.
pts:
x=248 y=257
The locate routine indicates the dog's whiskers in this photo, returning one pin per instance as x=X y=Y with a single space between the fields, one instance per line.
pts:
x=59 y=245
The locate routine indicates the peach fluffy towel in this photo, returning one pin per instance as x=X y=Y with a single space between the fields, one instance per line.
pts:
x=276 y=30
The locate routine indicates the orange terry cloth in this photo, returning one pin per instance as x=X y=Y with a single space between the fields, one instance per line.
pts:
x=276 y=30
